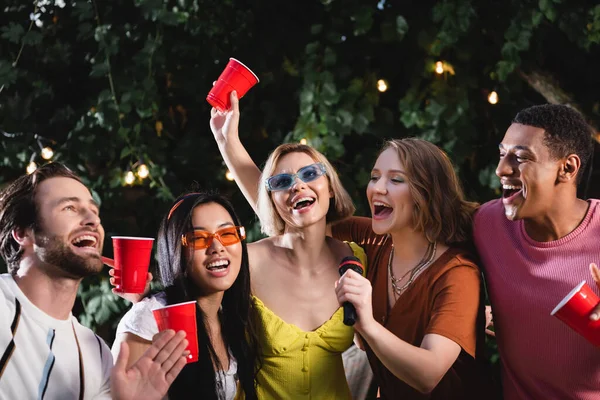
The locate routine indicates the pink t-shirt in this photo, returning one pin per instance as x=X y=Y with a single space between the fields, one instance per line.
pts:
x=542 y=358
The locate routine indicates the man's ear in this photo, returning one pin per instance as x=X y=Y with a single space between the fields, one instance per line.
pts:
x=24 y=237
x=570 y=167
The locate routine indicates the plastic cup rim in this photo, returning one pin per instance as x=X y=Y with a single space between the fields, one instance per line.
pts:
x=132 y=238
x=568 y=297
x=174 y=305
x=245 y=66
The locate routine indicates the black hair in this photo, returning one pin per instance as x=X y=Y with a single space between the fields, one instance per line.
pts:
x=237 y=315
x=565 y=131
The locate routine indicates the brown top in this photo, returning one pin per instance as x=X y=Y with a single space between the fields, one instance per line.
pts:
x=445 y=299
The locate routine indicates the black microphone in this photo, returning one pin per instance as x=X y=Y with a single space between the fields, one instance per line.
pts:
x=354 y=264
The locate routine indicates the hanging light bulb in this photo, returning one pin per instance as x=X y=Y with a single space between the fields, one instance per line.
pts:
x=303 y=141
x=382 y=85
x=143 y=171
x=129 y=178
x=493 y=97
x=229 y=176
x=31 y=167
x=47 y=153
x=439 y=67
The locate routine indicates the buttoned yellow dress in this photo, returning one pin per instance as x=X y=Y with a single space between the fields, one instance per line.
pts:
x=304 y=365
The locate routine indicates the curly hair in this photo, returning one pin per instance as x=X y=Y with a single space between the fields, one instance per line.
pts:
x=565 y=131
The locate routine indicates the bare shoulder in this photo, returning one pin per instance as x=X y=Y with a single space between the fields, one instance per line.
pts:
x=260 y=252
x=339 y=249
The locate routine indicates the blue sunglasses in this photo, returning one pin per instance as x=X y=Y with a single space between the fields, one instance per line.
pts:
x=285 y=181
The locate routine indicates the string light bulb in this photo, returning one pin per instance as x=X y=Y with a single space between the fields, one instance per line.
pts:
x=31 y=167
x=229 y=176
x=382 y=85
x=129 y=177
x=47 y=153
x=439 y=67
x=143 y=171
x=303 y=141
x=493 y=97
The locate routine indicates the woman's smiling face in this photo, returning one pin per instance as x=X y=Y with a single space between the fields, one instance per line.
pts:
x=389 y=196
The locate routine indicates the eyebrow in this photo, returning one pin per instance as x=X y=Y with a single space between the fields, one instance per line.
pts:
x=223 y=225
x=75 y=200
x=394 y=171
x=518 y=147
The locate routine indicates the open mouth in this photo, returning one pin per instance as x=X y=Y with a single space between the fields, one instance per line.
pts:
x=381 y=209
x=509 y=192
x=303 y=202
x=85 y=242
x=218 y=265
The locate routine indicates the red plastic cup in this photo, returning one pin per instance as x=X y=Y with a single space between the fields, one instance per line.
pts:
x=236 y=76
x=132 y=258
x=180 y=317
x=575 y=309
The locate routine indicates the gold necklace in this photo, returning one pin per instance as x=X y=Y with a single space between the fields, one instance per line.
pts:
x=426 y=261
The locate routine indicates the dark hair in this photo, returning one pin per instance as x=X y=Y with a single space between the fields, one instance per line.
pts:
x=441 y=211
x=565 y=131
x=18 y=209
x=237 y=316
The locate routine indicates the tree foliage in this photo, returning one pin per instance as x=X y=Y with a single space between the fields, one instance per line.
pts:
x=111 y=85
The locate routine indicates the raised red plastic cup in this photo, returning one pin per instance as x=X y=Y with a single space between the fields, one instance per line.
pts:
x=132 y=258
x=575 y=309
x=180 y=317
x=236 y=76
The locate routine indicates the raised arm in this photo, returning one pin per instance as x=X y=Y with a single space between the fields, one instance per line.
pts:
x=224 y=126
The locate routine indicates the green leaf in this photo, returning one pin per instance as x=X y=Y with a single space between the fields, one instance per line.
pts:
x=401 y=26
x=505 y=68
x=123 y=134
x=360 y=123
x=100 y=69
x=125 y=152
x=8 y=74
x=312 y=48
x=488 y=178
x=345 y=117
x=536 y=18
x=32 y=38
x=173 y=18
x=329 y=58
x=13 y=32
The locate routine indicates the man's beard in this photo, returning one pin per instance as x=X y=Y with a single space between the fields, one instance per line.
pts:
x=53 y=250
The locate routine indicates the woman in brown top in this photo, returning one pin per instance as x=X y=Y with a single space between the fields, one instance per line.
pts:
x=420 y=313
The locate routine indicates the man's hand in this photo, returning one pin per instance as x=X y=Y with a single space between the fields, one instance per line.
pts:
x=151 y=376
x=595 y=315
x=489 y=321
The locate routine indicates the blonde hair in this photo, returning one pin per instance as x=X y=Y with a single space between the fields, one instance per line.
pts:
x=440 y=211
x=272 y=224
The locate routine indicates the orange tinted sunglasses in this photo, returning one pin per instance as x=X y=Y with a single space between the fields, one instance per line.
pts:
x=199 y=239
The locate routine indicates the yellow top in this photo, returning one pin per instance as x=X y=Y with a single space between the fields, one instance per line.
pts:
x=304 y=365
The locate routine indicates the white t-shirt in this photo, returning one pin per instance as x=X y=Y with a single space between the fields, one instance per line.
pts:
x=39 y=356
x=140 y=321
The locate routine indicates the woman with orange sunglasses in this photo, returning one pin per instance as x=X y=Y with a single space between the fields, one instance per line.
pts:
x=202 y=256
